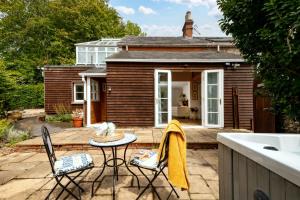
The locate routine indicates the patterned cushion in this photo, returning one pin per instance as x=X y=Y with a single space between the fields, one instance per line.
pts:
x=146 y=159
x=72 y=163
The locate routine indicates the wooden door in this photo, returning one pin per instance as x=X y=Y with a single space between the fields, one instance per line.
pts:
x=264 y=118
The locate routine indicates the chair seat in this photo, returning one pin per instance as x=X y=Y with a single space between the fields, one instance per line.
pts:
x=68 y=164
x=145 y=159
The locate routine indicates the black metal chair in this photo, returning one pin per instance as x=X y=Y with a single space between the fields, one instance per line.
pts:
x=61 y=168
x=157 y=168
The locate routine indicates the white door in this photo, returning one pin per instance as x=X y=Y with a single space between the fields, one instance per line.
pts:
x=212 y=98
x=163 y=95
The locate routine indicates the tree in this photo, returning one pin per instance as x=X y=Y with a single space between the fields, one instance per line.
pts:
x=39 y=32
x=268 y=35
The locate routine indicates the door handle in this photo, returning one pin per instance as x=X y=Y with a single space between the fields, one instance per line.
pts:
x=220 y=101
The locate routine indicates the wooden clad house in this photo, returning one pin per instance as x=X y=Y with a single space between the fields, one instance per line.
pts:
x=147 y=81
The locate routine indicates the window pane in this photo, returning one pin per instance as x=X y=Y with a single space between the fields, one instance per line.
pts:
x=163 y=118
x=163 y=91
x=91 y=58
x=113 y=49
x=79 y=88
x=91 y=48
x=81 y=57
x=79 y=96
x=81 y=49
x=212 y=91
x=163 y=107
x=213 y=105
x=213 y=118
x=212 y=78
x=101 y=48
x=162 y=77
x=101 y=57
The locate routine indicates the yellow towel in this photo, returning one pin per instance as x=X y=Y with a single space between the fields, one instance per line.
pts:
x=177 y=169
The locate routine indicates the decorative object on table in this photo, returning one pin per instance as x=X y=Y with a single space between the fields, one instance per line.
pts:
x=106 y=132
x=195 y=91
x=184 y=100
x=77 y=117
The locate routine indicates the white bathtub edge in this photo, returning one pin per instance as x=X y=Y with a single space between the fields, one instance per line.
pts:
x=275 y=165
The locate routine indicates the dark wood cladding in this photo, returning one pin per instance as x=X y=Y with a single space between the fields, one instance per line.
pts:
x=59 y=86
x=131 y=100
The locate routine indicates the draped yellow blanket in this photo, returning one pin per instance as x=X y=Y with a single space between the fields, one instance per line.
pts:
x=177 y=169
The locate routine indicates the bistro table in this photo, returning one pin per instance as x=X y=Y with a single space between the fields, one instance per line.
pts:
x=113 y=162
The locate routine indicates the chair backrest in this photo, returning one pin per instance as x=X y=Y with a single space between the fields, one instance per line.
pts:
x=164 y=157
x=48 y=146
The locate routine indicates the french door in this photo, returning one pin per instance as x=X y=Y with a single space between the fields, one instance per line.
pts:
x=212 y=98
x=163 y=95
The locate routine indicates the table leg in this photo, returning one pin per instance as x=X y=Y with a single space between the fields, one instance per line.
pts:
x=114 y=171
x=138 y=182
x=104 y=164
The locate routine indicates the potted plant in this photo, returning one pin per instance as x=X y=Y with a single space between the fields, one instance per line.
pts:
x=77 y=117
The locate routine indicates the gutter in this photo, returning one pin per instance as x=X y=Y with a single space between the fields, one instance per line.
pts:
x=237 y=60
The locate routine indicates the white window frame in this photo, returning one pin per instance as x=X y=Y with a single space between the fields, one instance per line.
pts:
x=96 y=50
x=75 y=92
x=95 y=90
x=169 y=85
x=205 y=99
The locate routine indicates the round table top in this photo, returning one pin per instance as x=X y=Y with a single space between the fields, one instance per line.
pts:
x=127 y=139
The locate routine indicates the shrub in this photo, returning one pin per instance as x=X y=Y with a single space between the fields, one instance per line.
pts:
x=4 y=126
x=59 y=118
x=26 y=96
x=14 y=136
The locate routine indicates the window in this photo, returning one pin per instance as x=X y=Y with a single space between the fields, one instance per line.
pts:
x=94 y=90
x=78 y=93
x=94 y=55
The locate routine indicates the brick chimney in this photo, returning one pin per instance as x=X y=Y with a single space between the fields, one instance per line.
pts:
x=187 y=30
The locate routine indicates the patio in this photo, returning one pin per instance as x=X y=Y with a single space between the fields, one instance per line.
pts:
x=28 y=176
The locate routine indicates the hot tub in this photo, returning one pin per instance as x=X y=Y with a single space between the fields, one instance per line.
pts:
x=259 y=166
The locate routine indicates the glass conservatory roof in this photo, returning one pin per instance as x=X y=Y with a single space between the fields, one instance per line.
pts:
x=106 y=42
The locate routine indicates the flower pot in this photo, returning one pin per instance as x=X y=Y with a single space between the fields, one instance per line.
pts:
x=77 y=122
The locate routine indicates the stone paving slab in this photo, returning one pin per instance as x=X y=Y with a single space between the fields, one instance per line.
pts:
x=28 y=176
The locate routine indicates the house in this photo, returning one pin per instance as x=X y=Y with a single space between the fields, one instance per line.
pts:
x=147 y=81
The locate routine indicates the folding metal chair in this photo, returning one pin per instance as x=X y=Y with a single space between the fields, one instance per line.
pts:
x=61 y=168
x=157 y=168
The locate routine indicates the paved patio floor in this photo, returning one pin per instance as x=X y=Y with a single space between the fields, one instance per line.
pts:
x=77 y=138
x=28 y=176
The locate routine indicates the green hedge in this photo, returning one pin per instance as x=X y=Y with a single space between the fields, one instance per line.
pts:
x=26 y=96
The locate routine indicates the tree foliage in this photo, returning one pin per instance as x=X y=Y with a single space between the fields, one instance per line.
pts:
x=38 y=32
x=268 y=35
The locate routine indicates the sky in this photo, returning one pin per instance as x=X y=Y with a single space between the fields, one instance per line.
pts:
x=166 y=17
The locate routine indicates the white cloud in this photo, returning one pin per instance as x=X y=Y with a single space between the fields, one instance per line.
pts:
x=191 y=3
x=146 y=11
x=125 y=10
x=211 y=4
x=169 y=30
x=161 y=30
x=215 y=12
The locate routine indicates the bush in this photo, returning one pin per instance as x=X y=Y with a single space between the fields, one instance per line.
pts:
x=26 y=96
x=59 y=118
x=4 y=126
x=14 y=136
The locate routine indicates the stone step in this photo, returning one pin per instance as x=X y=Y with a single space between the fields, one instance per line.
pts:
x=85 y=147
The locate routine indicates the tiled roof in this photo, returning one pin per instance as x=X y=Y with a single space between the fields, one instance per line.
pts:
x=176 y=41
x=202 y=56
